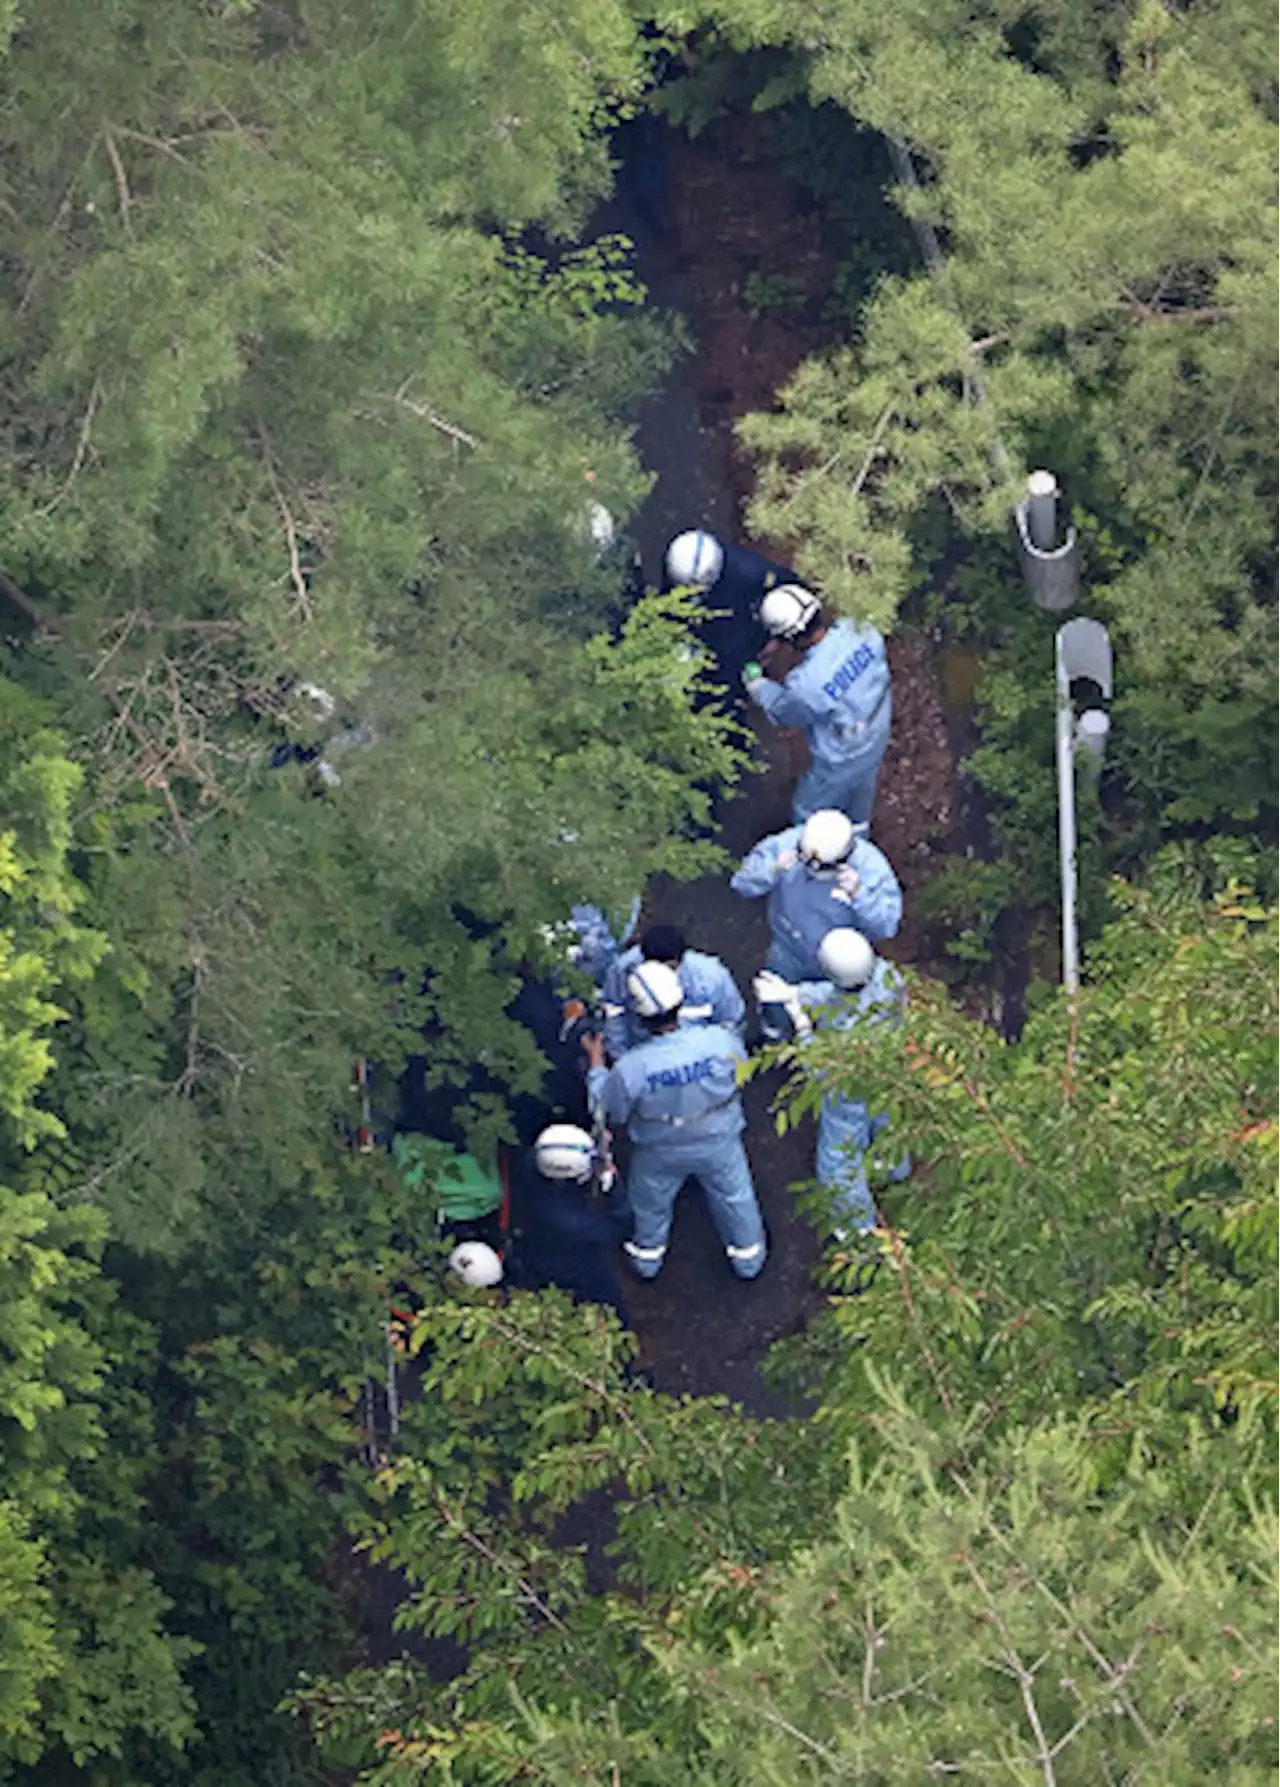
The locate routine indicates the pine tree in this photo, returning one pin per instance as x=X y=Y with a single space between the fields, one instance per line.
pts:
x=1102 y=183
x=291 y=407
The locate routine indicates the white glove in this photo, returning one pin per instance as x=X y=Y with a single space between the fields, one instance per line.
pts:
x=848 y=880
x=785 y=861
x=770 y=988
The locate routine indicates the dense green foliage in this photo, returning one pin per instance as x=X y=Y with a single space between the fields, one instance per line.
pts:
x=280 y=404
x=310 y=374
x=1028 y=1526
x=1103 y=184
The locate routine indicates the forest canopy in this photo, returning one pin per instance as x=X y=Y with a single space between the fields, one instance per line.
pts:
x=314 y=363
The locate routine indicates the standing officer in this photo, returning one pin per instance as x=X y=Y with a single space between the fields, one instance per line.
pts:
x=734 y=578
x=839 y=692
x=821 y=876
x=846 y=1128
x=710 y=994
x=678 y=1095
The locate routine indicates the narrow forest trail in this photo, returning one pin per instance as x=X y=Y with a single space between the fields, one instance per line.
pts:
x=702 y=222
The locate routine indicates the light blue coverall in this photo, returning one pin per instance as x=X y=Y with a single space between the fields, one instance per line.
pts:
x=840 y=694
x=710 y=997
x=678 y=1096
x=596 y=942
x=845 y=1127
x=805 y=903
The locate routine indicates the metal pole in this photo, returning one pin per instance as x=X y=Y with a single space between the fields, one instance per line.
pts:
x=1081 y=649
x=1067 y=842
x=1042 y=505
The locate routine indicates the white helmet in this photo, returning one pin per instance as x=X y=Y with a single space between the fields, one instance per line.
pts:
x=827 y=838
x=654 y=990
x=696 y=557
x=563 y=1151
x=846 y=957
x=788 y=610
x=476 y=1264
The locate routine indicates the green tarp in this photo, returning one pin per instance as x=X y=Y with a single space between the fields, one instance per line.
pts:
x=466 y=1190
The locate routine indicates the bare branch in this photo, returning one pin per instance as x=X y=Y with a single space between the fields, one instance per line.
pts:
x=126 y=628
x=1161 y=313
x=122 y=184
x=1115 y=1675
x=528 y=1594
x=303 y=603
x=165 y=148
x=425 y=413
x=1024 y=1676
x=873 y=451
x=82 y=447
x=759 y=1710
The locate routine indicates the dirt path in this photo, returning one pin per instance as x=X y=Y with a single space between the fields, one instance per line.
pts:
x=702 y=1331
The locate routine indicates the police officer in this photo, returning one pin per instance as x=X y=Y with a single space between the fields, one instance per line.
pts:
x=586 y=941
x=562 y=1235
x=678 y=1095
x=819 y=877
x=839 y=692
x=710 y=995
x=734 y=578
x=858 y=988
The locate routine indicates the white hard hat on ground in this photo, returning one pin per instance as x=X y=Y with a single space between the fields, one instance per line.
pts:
x=847 y=958
x=654 y=990
x=476 y=1264
x=788 y=610
x=827 y=838
x=696 y=557
x=563 y=1151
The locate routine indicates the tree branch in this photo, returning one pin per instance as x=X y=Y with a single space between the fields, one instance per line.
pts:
x=21 y=600
x=425 y=413
x=122 y=184
x=869 y=1655
x=900 y=1260
x=1159 y=313
x=82 y=447
x=1024 y=1677
x=528 y=1594
x=140 y=136
x=1115 y=1675
x=296 y=576
x=877 y=435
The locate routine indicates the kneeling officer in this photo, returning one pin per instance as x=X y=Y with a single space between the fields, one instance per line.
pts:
x=678 y=1095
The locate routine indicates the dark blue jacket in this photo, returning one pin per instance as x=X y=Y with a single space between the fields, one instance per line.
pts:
x=735 y=638
x=562 y=1236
